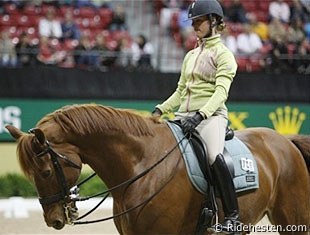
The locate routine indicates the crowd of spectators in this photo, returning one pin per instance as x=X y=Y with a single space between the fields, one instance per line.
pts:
x=94 y=34
x=88 y=34
x=270 y=35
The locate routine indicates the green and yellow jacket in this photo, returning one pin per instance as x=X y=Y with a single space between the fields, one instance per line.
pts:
x=206 y=76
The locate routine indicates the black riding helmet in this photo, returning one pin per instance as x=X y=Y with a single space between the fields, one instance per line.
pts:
x=204 y=7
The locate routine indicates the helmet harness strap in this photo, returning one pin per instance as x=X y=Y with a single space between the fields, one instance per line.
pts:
x=211 y=26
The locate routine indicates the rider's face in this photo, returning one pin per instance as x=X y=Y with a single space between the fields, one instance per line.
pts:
x=201 y=26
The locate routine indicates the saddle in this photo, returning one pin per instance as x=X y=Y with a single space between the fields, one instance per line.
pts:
x=199 y=148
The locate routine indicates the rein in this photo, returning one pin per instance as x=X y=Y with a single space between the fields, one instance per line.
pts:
x=128 y=182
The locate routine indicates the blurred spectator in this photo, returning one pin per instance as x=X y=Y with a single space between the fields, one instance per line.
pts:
x=168 y=9
x=102 y=3
x=236 y=13
x=70 y=30
x=306 y=5
x=295 y=32
x=48 y=54
x=307 y=29
x=222 y=3
x=229 y=40
x=142 y=53
x=276 y=30
x=25 y=51
x=1 y=7
x=124 y=53
x=280 y=10
x=83 y=3
x=299 y=11
x=258 y=27
x=49 y=26
x=184 y=24
x=248 y=42
x=277 y=60
x=7 y=51
x=104 y=57
x=84 y=53
x=54 y=3
x=303 y=65
x=118 y=18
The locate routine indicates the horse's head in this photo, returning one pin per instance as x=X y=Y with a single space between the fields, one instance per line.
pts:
x=54 y=168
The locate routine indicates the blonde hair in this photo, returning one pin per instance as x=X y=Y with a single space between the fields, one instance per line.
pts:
x=220 y=24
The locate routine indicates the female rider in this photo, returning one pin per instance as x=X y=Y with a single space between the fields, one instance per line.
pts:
x=203 y=87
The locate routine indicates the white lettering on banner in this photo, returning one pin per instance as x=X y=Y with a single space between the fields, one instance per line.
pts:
x=10 y=115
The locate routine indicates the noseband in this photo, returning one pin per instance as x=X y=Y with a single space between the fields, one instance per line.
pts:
x=64 y=194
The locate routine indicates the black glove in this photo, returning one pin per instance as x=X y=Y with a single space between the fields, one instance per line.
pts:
x=189 y=124
x=156 y=112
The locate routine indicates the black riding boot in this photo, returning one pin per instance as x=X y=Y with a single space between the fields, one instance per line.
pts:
x=227 y=192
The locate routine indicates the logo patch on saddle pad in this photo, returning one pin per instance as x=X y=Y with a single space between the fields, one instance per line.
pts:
x=238 y=157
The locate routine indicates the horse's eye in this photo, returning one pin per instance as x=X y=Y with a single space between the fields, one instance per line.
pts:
x=46 y=173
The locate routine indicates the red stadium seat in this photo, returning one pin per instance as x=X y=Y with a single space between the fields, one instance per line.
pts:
x=261 y=16
x=13 y=31
x=119 y=34
x=31 y=9
x=249 y=5
x=10 y=8
x=45 y=8
x=264 y=5
x=95 y=22
x=24 y=20
x=64 y=9
x=106 y=15
x=86 y=12
x=70 y=44
x=243 y=63
x=6 y=20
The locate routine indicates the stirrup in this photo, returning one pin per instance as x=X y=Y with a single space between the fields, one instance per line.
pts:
x=235 y=227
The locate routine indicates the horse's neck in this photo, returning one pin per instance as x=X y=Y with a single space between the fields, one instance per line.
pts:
x=115 y=158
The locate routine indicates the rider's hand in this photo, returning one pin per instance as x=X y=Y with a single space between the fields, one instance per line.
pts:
x=189 y=124
x=156 y=112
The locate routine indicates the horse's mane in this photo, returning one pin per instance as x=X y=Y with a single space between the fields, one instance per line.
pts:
x=81 y=120
x=93 y=118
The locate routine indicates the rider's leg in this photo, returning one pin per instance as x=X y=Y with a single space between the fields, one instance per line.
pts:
x=226 y=189
x=213 y=132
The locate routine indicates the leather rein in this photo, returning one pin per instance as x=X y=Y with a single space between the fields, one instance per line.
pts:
x=69 y=195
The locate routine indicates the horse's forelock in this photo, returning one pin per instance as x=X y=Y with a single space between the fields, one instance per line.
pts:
x=90 y=118
x=26 y=155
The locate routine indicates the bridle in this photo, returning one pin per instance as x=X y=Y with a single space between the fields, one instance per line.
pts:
x=64 y=193
x=69 y=195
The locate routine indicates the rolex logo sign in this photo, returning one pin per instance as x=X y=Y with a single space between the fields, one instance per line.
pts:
x=287 y=120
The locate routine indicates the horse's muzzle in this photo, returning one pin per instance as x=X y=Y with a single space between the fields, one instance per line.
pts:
x=58 y=224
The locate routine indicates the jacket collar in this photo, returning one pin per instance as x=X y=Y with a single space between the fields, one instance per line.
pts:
x=210 y=41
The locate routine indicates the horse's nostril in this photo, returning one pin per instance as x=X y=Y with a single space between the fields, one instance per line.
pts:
x=58 y=224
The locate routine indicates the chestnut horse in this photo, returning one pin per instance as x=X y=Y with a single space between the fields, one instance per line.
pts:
x=120 y=145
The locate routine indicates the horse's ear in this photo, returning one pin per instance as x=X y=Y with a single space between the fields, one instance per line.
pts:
x=39 y=135
x=15 y=132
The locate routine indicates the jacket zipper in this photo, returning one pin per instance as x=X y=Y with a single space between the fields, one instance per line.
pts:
x=193 y=78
